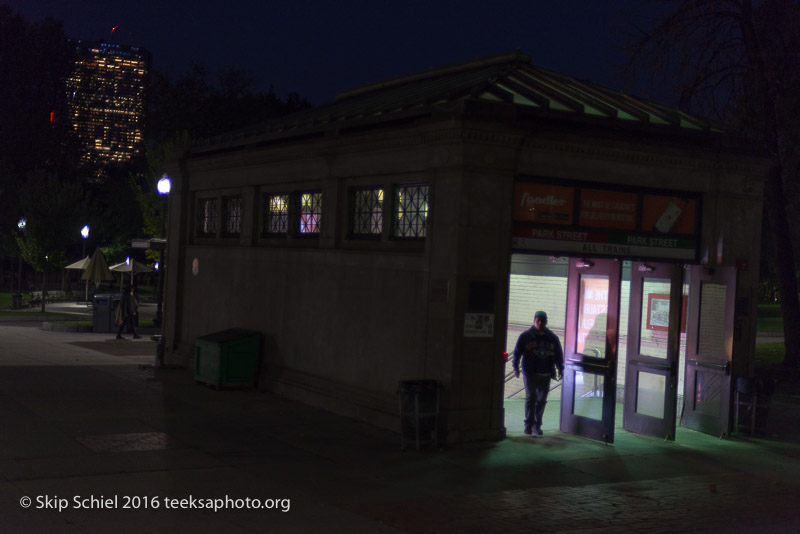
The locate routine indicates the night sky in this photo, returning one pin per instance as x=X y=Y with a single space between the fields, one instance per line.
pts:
x=319 y=48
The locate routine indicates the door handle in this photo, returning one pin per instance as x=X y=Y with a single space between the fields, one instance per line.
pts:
x=659 y=366
x=586 y=364
x=711 y=365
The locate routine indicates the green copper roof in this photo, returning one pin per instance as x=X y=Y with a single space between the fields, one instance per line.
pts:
x=509 y=78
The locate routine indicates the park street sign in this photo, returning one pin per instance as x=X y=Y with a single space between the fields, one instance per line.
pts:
x=154 y=243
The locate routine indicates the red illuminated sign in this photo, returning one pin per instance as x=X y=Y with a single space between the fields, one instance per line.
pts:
x=668 y=215
x=593 y=221
x=543 y=203
x=608 y=209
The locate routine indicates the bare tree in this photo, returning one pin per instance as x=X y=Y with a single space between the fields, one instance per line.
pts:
x=739 y=60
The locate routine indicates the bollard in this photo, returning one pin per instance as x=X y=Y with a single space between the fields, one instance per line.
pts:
x=159 y=339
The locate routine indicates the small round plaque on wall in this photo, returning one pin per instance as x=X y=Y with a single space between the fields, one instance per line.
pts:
x=195 y=266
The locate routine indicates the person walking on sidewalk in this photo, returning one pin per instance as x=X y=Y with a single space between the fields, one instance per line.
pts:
x=127 y=312
x=539 y=351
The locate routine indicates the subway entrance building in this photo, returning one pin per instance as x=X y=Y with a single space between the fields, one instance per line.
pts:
x=410 y=229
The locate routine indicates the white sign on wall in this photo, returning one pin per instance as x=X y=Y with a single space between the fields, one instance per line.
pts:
x=479 y=325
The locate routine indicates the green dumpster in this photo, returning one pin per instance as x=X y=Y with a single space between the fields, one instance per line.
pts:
x=228 y=358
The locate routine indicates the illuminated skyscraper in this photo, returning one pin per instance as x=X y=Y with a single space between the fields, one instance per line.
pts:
x=106 y=101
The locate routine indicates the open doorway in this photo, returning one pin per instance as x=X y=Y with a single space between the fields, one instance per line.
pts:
x=541 y=282
x=535 y=283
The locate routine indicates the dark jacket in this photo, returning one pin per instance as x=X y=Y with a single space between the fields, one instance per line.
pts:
x=538 y=353
x=129 y=305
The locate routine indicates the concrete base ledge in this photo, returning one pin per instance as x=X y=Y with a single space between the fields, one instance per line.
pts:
x=25 y=318
x=342 y=399
x=65 y=327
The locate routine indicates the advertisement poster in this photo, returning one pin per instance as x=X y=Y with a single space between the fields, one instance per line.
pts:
x=668 y=215
x=658 y=312
x=544 y=203
x=593 y=316
x=592 y=221
x=608 y=209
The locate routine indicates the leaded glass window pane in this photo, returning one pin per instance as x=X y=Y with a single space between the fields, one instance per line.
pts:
x=207 y=217
x=233 y=216
x=310 y=213
x=410 y=213
x=276 y=220
x=368 y=211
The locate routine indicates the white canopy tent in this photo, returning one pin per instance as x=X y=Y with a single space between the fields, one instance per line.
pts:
x=130 y=266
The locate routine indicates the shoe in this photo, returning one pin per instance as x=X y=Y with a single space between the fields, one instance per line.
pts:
x=527 y=431
x=136 y=337
x=120 y=337
x=538 y=431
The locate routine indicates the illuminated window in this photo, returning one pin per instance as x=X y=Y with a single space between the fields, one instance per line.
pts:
x=276 y=216
x=207 y=217
x=233 y=216
x=292 y=214
x=367 y=212
x=410 y=211
x=310 y=213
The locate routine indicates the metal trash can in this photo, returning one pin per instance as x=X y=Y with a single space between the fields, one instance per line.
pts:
x=228 y=358
x=752 y=401
x=103 y=307
x=16 y=301
x=419 y=412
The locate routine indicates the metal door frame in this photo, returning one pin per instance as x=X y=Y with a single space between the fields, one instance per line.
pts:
x=574 y=362
x=716 y=364
x=633 y=420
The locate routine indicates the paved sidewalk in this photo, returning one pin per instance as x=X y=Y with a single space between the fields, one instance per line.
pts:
x=86 y=429
x=77 y=310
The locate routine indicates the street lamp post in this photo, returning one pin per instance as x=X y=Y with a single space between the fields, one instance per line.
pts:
x=164 y=185
x=85 y=235
x=17 y=300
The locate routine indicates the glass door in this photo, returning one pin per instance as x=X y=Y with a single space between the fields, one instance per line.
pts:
x=655 y=317
x=590 y=348
x=709 y=348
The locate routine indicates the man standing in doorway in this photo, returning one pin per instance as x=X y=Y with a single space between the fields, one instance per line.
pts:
x=539 y=350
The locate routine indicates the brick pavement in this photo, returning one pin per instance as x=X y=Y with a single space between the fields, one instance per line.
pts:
x=80 y=417
x=729 y=502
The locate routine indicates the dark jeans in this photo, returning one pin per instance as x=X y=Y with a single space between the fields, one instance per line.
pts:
x=536 y=389
x=129 y=320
